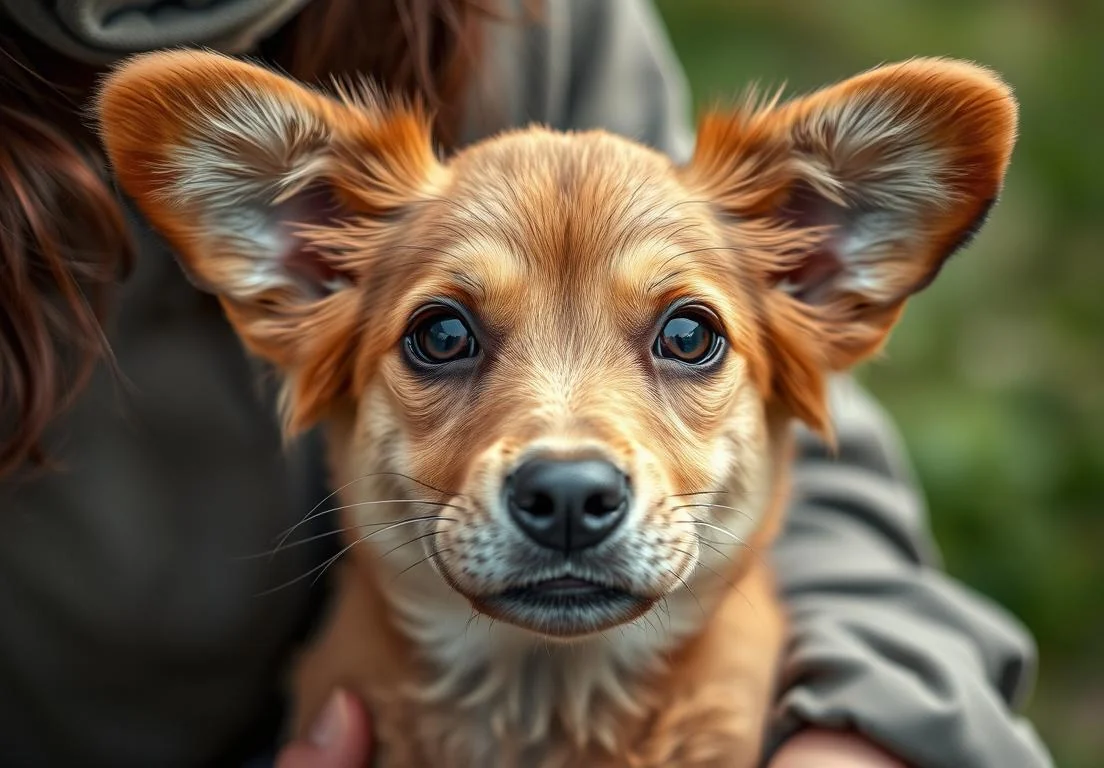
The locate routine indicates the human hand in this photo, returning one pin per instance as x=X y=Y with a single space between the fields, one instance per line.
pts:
x=831 y=749
x=339 y=738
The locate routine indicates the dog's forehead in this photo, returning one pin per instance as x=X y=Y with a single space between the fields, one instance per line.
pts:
x=541 y=188
x=567 y=210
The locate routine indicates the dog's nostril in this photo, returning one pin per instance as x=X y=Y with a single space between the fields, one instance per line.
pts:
x=541 y=505
x=604 y=503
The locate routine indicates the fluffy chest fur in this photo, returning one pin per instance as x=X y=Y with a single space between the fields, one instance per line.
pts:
x=476 y=698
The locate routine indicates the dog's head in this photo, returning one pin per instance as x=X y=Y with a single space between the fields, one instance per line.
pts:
x=570 y=347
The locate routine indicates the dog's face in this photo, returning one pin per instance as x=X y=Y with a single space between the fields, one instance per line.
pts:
x=581 y=385
x=567 y=346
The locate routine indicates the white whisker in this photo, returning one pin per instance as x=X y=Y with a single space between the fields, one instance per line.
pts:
x=713 y=506
x=316 y=514
x=334 y=532
x=718 y=528
x=331 y=560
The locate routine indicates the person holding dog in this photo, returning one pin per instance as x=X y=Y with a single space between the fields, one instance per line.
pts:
x=140 y=460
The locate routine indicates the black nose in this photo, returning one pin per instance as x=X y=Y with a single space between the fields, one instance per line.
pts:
x=567 y=505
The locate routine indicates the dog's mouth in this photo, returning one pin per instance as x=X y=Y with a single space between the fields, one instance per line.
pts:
x=564 y=591
x=565 y=607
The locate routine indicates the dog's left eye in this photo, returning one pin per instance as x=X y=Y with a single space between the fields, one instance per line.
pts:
x=442 y=337
x=689 y=338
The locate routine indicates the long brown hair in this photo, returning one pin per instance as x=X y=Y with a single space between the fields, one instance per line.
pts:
x=64 y=241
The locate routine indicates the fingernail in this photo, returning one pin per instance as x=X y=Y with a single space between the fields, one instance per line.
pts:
x=327 y=728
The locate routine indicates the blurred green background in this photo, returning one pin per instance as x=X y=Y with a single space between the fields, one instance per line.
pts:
x=996 y=374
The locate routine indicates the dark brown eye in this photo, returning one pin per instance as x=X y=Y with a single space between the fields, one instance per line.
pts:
x=442 y=337
x=689 y=338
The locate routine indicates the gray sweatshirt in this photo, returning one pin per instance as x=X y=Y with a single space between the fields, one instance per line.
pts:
x=132 y=633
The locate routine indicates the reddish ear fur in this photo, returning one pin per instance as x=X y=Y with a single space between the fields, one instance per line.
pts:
x=844 y=203
x=255 y=181
x=850 y=200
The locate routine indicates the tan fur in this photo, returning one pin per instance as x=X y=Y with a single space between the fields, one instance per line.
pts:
x=324 y=225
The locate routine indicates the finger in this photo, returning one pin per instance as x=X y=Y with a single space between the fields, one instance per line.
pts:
x=340 y=738
x=828 y=749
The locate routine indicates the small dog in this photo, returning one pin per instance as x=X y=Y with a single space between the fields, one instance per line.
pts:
x=578 y=361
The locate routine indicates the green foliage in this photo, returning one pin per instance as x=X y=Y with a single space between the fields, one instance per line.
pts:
x=995 y=374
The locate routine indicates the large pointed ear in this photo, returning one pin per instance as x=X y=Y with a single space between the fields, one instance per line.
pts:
x=848 y=201
x=271 y=194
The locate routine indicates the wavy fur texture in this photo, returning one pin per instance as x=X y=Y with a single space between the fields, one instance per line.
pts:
x=325 y=225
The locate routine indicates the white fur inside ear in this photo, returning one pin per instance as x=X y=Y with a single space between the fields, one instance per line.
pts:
x=879 y=153
x=875 y=175
x=244 y=175
x=863 y=245
x=857 y=256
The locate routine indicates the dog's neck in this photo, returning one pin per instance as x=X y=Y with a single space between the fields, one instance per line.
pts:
x=513 y=684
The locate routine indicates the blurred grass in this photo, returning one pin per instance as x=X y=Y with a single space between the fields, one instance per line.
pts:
x=996 y=374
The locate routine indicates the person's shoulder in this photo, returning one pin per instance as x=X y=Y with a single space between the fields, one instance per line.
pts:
x=578 y=65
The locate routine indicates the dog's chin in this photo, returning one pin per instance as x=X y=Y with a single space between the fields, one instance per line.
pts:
x=564 y=608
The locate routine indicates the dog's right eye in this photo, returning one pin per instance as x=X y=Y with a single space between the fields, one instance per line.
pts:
x=442 y=337
x=689 y=338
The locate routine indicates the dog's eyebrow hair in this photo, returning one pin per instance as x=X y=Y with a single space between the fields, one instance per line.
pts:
x=667 y=274
x=470 y=282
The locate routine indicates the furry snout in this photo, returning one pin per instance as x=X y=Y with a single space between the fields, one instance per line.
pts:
x=565 y=542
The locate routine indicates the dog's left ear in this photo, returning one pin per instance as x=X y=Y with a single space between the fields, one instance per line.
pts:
x=848 y=201
x=277 y=199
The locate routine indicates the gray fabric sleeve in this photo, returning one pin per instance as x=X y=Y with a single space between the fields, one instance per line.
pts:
x=882 y=641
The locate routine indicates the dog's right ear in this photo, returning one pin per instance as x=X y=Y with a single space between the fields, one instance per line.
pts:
x=848 y=201
x=271 y=194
